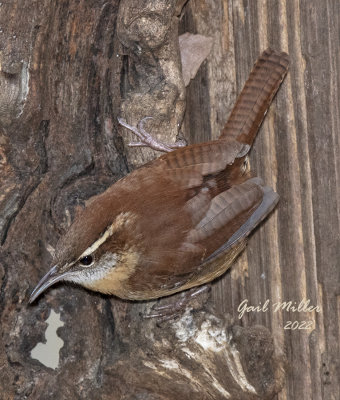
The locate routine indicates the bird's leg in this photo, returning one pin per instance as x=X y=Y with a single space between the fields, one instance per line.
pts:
x=146 y=140
x=176 y=305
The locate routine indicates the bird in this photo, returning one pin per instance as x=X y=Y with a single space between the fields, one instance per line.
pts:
x=179 y=221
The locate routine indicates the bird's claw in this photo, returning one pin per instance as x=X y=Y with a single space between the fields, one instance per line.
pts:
x=177 y=304
x=146 y=140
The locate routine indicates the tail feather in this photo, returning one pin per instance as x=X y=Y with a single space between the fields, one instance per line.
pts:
x=257 y=94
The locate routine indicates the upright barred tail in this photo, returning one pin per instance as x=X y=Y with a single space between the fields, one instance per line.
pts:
x=254 y=100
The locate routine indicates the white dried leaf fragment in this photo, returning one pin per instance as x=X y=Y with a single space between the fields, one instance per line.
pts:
x=194 y=50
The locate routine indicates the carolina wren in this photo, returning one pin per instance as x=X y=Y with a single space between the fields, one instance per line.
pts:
x=179 y=221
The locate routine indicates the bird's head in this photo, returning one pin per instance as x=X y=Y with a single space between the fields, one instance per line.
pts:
x=94 y=252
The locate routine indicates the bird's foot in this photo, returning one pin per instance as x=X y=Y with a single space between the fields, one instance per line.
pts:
x=173 y=306
x=146 y=140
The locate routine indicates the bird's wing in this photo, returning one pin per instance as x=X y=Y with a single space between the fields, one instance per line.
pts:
x=227 y=207
x=220 y=235
x=216 y=210
x=229 y=212
x=221 y=259
x=267 y=204
x=189 y=165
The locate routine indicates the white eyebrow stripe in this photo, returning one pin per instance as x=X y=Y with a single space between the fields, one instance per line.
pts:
x=109 y=232
x=120 y=220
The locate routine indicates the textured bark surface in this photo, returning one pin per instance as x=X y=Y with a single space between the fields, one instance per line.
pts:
x=67 y=70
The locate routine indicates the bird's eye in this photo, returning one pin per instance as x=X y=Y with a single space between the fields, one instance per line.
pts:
x=87 y=260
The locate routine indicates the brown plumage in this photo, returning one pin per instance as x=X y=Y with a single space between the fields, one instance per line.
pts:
x=181 y=220
x=253 y=102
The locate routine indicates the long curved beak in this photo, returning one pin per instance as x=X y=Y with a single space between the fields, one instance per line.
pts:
x=48 y=280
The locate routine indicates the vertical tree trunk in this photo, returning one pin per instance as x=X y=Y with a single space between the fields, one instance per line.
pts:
x=67 y=70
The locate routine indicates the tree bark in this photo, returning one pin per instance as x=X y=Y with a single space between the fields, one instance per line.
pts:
x=68 y=69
